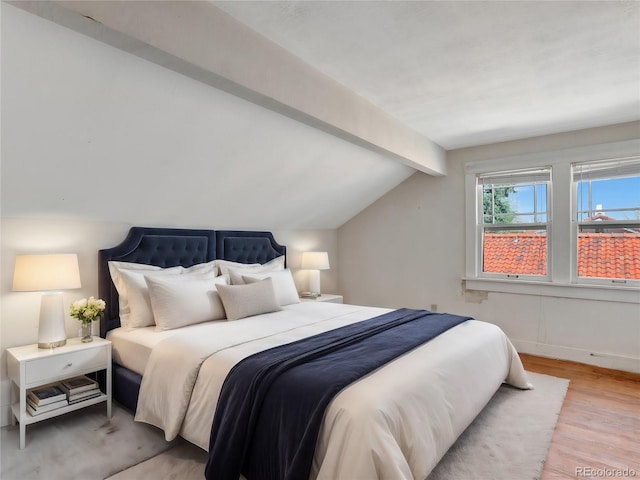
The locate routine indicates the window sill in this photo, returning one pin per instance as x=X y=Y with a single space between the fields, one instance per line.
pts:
x=563 y=290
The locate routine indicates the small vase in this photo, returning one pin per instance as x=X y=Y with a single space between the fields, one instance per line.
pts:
x=85 y=332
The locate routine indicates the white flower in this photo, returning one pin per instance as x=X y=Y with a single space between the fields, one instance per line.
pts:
x=87 y=311
x=79 y=303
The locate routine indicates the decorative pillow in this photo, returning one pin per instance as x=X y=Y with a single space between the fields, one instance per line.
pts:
x=283 y=285
x=242 y=301
x=271 y=266
x=115 y=269
x=184 y=300
x=141 y=314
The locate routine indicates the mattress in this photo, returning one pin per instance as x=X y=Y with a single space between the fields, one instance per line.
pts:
x=131 y=347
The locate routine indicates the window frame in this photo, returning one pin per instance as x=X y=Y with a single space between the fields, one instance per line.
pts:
x=576 y=224
x=482 y=227
x=563 y=282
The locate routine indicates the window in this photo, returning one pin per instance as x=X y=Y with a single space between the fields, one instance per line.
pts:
x=513 y=224
x=607 y=213
x=560 y=224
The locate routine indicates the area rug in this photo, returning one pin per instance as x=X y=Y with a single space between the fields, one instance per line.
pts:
x=509 y=440
x=79 y=445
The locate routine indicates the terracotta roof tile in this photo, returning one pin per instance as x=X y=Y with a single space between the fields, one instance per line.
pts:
x=611 y=255
x=607 y=255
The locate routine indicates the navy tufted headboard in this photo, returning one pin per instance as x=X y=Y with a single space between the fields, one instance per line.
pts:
x=247 y=247
x=169 y=247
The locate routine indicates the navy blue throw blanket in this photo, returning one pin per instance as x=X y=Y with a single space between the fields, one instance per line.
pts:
x=272 y=403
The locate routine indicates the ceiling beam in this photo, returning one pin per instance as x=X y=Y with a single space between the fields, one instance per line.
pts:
x=201 y=41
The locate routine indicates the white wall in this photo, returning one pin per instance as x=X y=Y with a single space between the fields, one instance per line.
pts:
x=201 y=41
x=95 y=140
x=408 y=249
x=93 y=132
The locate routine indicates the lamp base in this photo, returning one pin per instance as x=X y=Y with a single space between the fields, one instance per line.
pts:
x=314 y=282
x=312 y=295
x=51 y=329
x=59 y=343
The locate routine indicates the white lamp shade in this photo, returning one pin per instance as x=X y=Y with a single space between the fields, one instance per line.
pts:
x=46 y=272
x=315 y=261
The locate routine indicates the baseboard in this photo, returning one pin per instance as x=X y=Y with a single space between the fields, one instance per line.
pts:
x=599 y=359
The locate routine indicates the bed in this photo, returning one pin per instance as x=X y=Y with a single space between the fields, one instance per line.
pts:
x=396 y=422
x=170 y=247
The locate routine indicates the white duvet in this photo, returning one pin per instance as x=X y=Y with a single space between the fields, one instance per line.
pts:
x=395 y=423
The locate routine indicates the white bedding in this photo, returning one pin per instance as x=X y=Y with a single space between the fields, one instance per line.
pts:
x=395 y=423
x=132 y=347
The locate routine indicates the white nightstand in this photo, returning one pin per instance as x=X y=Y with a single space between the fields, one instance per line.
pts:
x=325 y=297
x=30 y=366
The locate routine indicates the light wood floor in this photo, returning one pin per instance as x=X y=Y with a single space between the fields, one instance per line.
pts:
x=599 y=424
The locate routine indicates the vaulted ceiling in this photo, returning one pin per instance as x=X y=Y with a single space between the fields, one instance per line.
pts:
x=364 y=93
x=465 y=73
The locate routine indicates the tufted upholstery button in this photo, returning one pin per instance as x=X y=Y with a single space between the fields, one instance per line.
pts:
x=169 y=251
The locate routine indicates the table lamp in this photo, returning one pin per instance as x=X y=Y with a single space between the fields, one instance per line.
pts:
x=48 y=273
x=314 y=262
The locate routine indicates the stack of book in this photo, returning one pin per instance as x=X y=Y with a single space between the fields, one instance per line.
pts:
x=45 y=399
x=79 y=389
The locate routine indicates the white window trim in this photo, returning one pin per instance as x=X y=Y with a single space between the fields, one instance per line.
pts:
x=481 y=229
x=563 y=243
x=575 y=226
x=555 y=289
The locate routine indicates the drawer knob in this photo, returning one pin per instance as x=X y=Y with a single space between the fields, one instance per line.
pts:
x=68 y=365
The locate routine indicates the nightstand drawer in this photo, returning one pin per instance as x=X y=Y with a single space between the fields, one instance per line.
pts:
x=66 y=365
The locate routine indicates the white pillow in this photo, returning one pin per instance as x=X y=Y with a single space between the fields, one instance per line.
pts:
x=271 y=266
x=225 y=265
x=235 y=274
x=199 y=268
x=141 y=314
x=184 y=300
x=283 y=285
x=274 y=265
x=115 y=269
x=242 y=301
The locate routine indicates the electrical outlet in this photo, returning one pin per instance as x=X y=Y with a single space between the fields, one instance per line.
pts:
x=434 y=307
